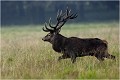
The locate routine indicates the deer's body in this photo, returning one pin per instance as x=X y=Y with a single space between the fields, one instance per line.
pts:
x=75 y=47
x=79 y=47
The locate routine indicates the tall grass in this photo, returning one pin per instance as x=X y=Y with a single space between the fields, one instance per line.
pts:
x=25 y=56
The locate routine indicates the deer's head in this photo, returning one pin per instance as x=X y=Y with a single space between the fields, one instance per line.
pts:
x=62 y=18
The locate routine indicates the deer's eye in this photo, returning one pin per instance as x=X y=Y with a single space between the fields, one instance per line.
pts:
x=48 y=34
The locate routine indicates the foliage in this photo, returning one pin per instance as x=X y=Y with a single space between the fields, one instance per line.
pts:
x=37 y=12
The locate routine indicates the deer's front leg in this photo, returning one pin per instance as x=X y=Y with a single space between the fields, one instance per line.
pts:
x=71 y=54
x=73 y=57
x=64 y=56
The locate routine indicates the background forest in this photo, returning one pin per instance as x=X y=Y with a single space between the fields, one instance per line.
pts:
x=37 y=12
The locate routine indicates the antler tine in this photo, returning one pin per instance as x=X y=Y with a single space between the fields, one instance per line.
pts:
x=61 y=13
x=65 y=16
x=45 y=30
x=67 y=11
x=58 y=14
x=62 y=18
x=72 y=16
x=69 y=15
x=50 y=24
x=59 y=18
x=50 y=30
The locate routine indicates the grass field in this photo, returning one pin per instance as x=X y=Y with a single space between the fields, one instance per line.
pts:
x=25 y=56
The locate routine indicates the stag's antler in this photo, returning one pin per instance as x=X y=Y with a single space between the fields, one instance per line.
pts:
x=61 y=20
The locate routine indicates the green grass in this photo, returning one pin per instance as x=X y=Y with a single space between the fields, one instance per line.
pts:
x=25 y=56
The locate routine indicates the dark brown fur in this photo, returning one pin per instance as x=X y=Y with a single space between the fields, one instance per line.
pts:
x=75 y=47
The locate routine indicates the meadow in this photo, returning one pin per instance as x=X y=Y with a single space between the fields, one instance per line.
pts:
x=25 y=56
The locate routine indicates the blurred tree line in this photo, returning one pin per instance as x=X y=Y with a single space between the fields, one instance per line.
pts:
x=37 y=12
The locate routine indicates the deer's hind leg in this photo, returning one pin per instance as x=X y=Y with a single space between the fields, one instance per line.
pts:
x=99 y=56
x=107 y=55
x=100 y=53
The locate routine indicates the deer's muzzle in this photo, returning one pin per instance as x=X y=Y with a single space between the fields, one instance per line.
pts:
x=43 y=39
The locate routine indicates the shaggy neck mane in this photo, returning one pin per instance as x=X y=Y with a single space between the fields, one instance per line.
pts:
x=58 y=42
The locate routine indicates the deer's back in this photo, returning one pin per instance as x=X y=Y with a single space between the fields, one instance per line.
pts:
x=84 y=44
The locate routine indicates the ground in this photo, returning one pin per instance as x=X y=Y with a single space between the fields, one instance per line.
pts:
x=24 y=55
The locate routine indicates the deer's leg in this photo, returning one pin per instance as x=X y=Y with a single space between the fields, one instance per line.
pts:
x=64 y=56
x=99 y=57
x=73 y=57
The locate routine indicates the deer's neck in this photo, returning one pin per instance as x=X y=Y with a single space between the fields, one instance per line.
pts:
x=58 y=43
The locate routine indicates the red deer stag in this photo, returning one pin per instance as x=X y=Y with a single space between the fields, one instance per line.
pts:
x=74 y=47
